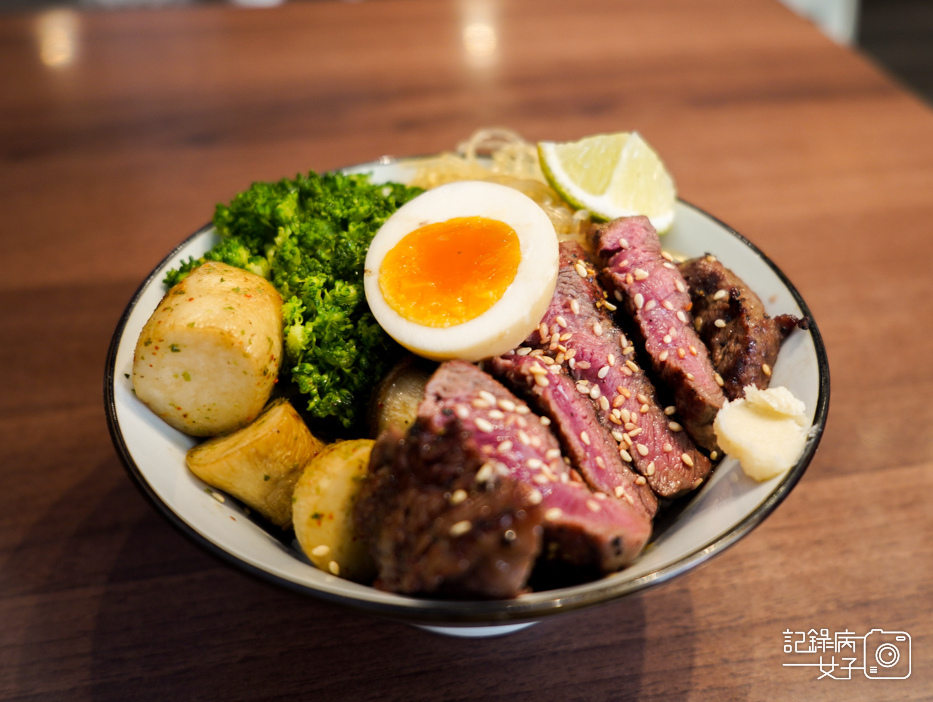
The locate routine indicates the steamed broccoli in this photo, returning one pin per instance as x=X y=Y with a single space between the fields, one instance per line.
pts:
x=309 y=237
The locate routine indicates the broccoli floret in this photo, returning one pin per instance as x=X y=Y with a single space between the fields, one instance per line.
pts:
x=309 y=236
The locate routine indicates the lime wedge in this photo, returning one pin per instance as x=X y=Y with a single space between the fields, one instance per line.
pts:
x=611 y=175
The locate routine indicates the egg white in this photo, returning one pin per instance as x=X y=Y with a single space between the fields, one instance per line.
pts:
x=515 y=315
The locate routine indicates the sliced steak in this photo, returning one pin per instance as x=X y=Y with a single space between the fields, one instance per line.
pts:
x=589 y=445
x=489 y=458
x=655 y=295
x=433 y=530
x=743 y=340
x=580 y=334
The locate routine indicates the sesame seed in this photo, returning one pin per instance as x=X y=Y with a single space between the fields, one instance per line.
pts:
x=618 y=401
x=594 y=392
x=523 y=351
x=667 y=448
x=619 y=491
x=617 y=435
x=625 y=455
x=458 y=497
x=666 y=256
x=583 y=389
x=534 y=463
x=320 y=551
x=628 y=349
x=542 y=330
x=634 y=432
x=460 y=528
x=667 y=305
x=540 y=479
x=640 y=273
x=766 y=369
x=506 y=405
x=632 y=365
x=681 y=353
x=714 y=455
x=667 y=339
x=484 y=425
x=546 y=421
x=693 y=350
x=575 y=306
x=720 y=294
x=640 y=480
x=603 y=372
x=618 y=295
x=535 y=497
x=522 y=409
x=718 y=378
x=496 y=414
x=585 y=438
x=649 y=471
x=681 y=288
x=697 y=323
x=592 y=505
x=719 y=323
x=547 y=360
x=611 y=359
x=668 y=264
x=541 y=381
x=561 y=321
x=504 y=446
x=642 y=449
x=334 y=567
x=623 y=243
x=537 y=369
x=663 y=355
x=627 y=440
x=580 y=269
x=614 y=419
x=625 y=414
x=567 y=336
x=639 y=300
x=461 y=411
x=485 y=473
x=609 y=306
x=670 y=410
x=488 y=396
x=629 y=279
x=597 y=329
x=217 y=496
x=553 y=513
x=689 y=376
x=523 y=438
x=650 y=305
x=603 y=403
x=571 y=362
x=479 y=403
x=685 y=457
x=682 y=316
x=674 y=426
x=552 y=453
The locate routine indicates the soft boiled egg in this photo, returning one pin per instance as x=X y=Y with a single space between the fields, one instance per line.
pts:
x=466 y=270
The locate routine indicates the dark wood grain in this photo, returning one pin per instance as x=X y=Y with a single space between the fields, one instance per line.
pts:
x=107 y=163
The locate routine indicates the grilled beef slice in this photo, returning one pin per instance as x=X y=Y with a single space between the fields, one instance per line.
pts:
x=477 y=453
x=578 y=330
x=655 y=295
x=589 y=445
x=743 y=340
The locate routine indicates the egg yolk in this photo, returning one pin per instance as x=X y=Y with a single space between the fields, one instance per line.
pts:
x=450 y=272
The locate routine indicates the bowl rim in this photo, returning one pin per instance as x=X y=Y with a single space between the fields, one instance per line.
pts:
x=491 y=612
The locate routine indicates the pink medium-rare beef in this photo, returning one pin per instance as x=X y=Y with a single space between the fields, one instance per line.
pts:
x=730 y=319
x=655 y=295
x=589 y=445
x=578 y=331
x=580 y=527
x=433 y=530
x=473 y=437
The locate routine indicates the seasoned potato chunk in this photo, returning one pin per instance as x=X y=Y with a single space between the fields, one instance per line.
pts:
x=259 y=464
x=209 y=355
x=323 y=510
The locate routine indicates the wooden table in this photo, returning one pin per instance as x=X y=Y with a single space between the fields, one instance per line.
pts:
x=119 y=132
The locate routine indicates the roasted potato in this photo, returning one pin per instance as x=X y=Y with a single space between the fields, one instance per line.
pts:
x=259 y=464
x=209 y=355
x=323 y=510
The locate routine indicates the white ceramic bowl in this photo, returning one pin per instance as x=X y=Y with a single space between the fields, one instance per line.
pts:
x=724 y=510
